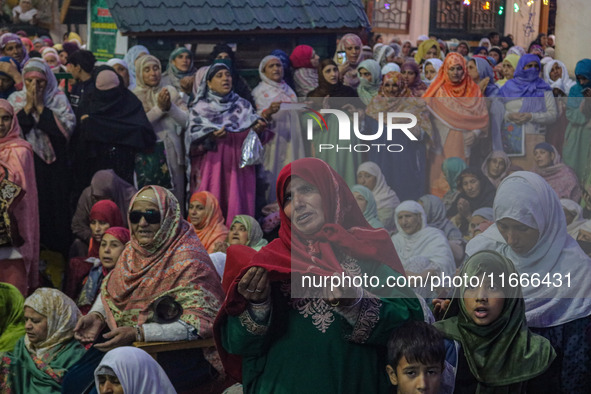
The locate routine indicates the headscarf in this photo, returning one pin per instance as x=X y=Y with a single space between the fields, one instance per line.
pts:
x=12 y=321
x=212 y=228
x=512 y=59
x=485 y=213
x=563 y=83
x=174 y=264
x=136 y=371
x=211 y=112
x=425 y=249
x=7 y=38
x=130 y=58
x=576 y=92
x=255 y=233
x=577 y=211
x=485 y=196
x=106 y=184
x=105 y=211
x=384 y=195
x=424 y=48
x=305 y=75
x=528 y=85
x=418 y=87
x=559 y=176
x=62 y=315
x=436 y=63
x=269 y=91
x=74 y=37
x=504 y=352
x=435 y=215
x=366 y=89
x=389 y=67
x=494 y=155
x=485 y=70
x=327 y=89
x=371 y=209
x=301 y=56
x=527 y=198
x=452 y=167
x=148 y=95
x=382 y=53
x=50 y=52
x=8 y=59
x=516 y=50
x=173 y=74
x=461 y=104
x=121 y=233
x=485 y=41
x=349 y=79
x=54 y=100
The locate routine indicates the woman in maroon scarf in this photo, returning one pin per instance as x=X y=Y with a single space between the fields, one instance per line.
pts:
x=265 y=322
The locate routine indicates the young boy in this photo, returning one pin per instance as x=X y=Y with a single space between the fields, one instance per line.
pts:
x=416 y=357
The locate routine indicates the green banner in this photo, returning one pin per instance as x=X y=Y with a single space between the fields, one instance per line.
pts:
x=103 y=31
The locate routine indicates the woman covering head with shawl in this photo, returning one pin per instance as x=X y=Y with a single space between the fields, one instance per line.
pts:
x=421 y=248
x=384 y=54
x=367 y=203
x=177 y=69
x=367 y=88
x=135 y=370
x=132 y=55
x=105 y=211
x=509 y=65
x=430 y=70
x=17 y=166
x=41 y=358
x=352 y=45
x=574 y=213
x=516 y=50
x=287 y=144
x=336 y=239
x=207 y=219
x=556 y=75
x=502 y=335
x=435 y=216
x=530 y=230
x=562 y=178
x=287 y=69
x=412 y=79
x=429 y=49
x=485 y=70
x=370 y=175
x=496 y=167
x=252 y=228
x=305 y=63
x=475 y=189
x=9 y=87
x=12 y=45
x=224 y=54
x=390 y=67
x=12 y=326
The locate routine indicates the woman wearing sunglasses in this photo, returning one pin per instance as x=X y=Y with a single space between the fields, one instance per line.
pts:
x=164 y=258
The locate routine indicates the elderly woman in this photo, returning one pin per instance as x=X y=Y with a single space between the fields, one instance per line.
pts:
x=168 y=115
x=43 y=356
x=12 y=45
x=508 y=68
x=245 y=230
x=422 y=249
x=529 y=107
x=19 y=244
x=530 y=230
x=131 y=57
x=287 y=143
x=496 y=167
x=180 y=65
x=305 y=62
x=574 y=217
x=131 y=370
x=352 y=45
x=562 y=178
x=370 y=175
x=220 y=121
x=47 y=122
x=322 y=232
x=459 y=113
x=163 y=288
x=12 y=322
x=206 y=217
x=556 y=75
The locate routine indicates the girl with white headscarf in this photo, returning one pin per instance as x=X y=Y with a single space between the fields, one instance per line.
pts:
x=421 y=248
x=530 y=230
x=287 y=145
x=370 y=175
x=136 y=371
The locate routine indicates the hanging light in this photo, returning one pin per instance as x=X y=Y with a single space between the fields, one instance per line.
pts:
x=501 y=10
x=387 y=6
x=516 y=7
x=486 y=6
x=466 y=3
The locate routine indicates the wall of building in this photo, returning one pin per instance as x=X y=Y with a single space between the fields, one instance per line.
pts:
x=573 y=38
x=524 y=24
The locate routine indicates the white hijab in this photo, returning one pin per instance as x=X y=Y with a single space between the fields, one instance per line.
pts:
x=529 y=199
x=136 y=370
x=578 y=221
x=384 y=195
x=563 y=83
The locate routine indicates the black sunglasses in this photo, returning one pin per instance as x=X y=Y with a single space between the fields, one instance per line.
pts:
x=152 y=217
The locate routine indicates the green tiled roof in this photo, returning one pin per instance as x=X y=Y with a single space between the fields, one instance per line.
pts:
x=143 y=16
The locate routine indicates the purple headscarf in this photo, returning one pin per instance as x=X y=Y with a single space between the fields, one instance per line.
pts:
x=418 y=87
x=528 y=85
x=11 y=37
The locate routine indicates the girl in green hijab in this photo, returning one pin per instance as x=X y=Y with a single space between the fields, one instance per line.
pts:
x=495 y=351
x=12 y=322
x=245 y=230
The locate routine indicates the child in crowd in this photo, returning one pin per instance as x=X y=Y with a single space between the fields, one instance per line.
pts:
x=416 y=357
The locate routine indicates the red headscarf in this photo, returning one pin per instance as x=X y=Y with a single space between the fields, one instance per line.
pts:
x=301 y=56
x=121 y=233
x=105 y=211
x=467 y=113
x=345 y=229
x=211 y=228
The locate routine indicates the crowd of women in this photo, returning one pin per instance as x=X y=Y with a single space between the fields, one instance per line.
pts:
x=179 y=205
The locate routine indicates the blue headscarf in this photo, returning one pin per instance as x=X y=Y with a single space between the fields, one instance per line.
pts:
x=528 y=85
x=583 y=68
x=485 y=70
x=130 y=58
x=8 y=59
